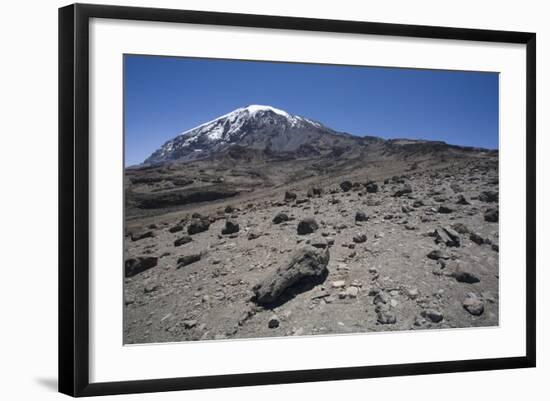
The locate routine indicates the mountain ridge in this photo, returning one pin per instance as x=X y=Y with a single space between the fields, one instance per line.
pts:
x=275 y=131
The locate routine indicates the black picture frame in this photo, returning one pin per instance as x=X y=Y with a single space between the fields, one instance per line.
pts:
x=74 y=201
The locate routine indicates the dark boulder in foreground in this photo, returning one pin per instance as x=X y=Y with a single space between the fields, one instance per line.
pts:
x=307 y=226
x=198 y=225
x=307 y=265
x=137 y=265
x=491 y=215
x=230 y=227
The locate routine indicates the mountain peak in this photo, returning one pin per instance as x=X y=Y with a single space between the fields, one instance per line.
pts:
x=254 y=126
x=254 y=108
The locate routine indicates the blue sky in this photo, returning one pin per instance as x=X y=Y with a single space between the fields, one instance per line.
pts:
x=164 y=96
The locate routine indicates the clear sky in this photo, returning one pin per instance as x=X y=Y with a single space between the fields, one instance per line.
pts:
x=164 y=96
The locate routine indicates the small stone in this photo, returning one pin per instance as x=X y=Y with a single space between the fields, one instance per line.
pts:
x=150 y=287
x=231 y=227
x=478 y=239
x=290 y=196
x=488 y=196
x=460 y=228
x=188 y=259
x=447 y=236
x=444 y=209
x=198 y=225
x=380 y=298
x=433 y=315
x=351 y=292
x=405 y=189
x=358 y=239
x=253 y=235
x=361 y=216
x=473 y=305
x=176 y=228
x=189 y=324
x=273 y=322
x=183 y=240
x=464 y=276
x=142 y=235
x=412 y=293
x=385 y=316
x=346 y=186
x=436 y=254
x=338 y=284
x=371 y=186
x=491 y=215
x=280 y=217
x=462 y=200
x=137 y=265
x=307 y=226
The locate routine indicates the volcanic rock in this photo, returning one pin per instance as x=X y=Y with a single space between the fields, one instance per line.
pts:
x=307 y=264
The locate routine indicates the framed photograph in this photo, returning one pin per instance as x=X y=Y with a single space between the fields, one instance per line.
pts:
x=251 y=199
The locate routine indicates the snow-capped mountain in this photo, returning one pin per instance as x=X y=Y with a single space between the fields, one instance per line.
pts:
x=256 y=127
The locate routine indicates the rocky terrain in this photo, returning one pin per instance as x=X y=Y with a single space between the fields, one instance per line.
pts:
x=344 y=236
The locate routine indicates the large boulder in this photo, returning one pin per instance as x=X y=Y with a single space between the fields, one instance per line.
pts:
x=307 y=265
x=137 y=265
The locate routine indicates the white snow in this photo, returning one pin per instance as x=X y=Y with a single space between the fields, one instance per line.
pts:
x=254 y=108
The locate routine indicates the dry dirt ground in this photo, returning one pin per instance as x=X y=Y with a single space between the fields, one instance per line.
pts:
x=203 y=289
